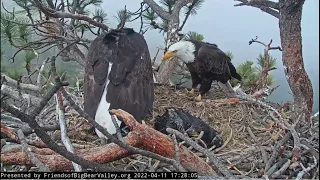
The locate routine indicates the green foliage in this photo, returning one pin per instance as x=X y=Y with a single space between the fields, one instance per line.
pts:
x=2 y=55
x=192 y=35
x=100 y=14
x=24 y=30
x=168 y=4
x=29 y=55
x=27 y=7
x=229 y=54
x=250 y=74
x=7 y=26
x=197 y=5
x=261 y=62
x=164 y=26
x=2 y=65
x=46 y=73
x=122 y=16
x=151 y=18
x=14 y=28
x=270 y=80
x=150 y=15
x=14 y=73
x=21 y=3
x=272 y=64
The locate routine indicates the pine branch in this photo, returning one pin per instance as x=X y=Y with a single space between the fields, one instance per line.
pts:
x=190 y=8
x=14 y=83
x=42 y=167
x=266 y=6
x=55 y=14
x=265 y=70
x=206 y=152
x=265 y=3
x=30 y=119
x=158 y=9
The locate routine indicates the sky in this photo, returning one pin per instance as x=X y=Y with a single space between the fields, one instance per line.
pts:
x=231 y=28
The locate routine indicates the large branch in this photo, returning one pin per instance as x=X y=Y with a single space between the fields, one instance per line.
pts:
x=267 y=7
x=163 y=145
x=158 y=9
x=179 y=4
x=292 y=56
x=262 y=81
x=14 y=83
x=208 y=153
x=141 y=136
x=187 y=15
x=168 y=68
x=30 y=119
x=42 y=167
x=8 y=91
x=265 y=3
x=116 y=140
x=52 y=13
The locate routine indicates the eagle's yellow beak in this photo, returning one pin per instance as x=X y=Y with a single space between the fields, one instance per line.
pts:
x=168 y=55
x=194 y=134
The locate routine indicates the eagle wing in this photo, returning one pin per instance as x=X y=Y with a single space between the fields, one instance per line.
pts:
x=131 y=87
x=212 y=59
x=131 y=83
x=96 y=72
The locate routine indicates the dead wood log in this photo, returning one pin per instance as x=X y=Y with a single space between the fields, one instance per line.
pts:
x=159 y=143
x=141 y=136
x=9 y=132
x=56 y=162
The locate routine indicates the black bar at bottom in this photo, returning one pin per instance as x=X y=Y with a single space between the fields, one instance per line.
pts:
x=99 y=175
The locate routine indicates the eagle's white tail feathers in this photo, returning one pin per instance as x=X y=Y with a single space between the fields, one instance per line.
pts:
x=102 y=116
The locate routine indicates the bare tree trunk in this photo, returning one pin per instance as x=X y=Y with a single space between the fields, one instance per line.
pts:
x=289 y=13
x=264 y=72
x=291 y=42
x=262 y=81
x=168 y=68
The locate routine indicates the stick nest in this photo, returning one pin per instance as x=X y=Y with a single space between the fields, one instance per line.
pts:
x=246 y=128
x=230 y=119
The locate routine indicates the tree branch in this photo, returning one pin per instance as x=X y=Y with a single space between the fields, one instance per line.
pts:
x=265 y=3
x=55 y=14
x=47 y=140
x=265 y=70
x=10 y=92
x=42 y=167
x=158 y=9
x=179 y=4
x=152 y=143
x=14 y=83
x=206 y=152
x=261 y=4
x=30 y=119
x=187 y=15
x=63 y=128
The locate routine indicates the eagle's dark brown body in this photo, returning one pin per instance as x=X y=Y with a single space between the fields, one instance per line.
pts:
x=177 y=118
x=131 y=83
x=210 y=64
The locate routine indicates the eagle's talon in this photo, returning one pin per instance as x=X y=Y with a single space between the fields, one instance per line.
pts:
x=190 y=92
x=198 y=98
x=199 y=104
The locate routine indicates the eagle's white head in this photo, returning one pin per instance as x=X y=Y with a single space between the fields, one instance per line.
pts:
x=183 y=50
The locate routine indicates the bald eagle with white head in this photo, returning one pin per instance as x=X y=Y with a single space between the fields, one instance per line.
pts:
x=118 y=75
x=206 y=63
